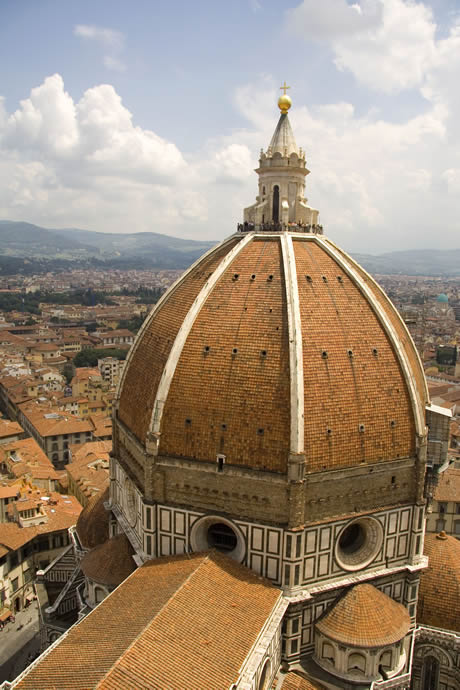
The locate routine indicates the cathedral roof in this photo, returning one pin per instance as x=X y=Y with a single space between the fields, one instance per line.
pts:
x=365 y=617
x=283 y=140
x=109 y=563
x=93 y=522
x=271 y=345
x=439 y=594
x=159 y=629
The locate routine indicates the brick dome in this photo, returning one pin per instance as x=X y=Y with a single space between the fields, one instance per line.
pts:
x=93 y=522
x=275 y=345
x=439 y=594
x=110 y=563
x=366 y=617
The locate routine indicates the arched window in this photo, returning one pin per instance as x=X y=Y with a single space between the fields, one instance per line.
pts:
x=430 y=673
x=328 y=652
x=276 y=204
x=357 y=663
x=264 y=676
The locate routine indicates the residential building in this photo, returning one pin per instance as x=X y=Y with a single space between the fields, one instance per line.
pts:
x=54 y=430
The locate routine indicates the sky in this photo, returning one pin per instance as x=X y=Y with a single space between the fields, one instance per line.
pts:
x=150 y=115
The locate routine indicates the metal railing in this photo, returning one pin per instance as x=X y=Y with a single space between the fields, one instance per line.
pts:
x=280 y=227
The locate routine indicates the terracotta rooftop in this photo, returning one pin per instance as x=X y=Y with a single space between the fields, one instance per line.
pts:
x=137 y=649
x=8 y=428
x=448 y=488
x=8 y=491
x=228 y=388
x=50 y=421
x=439 y=594
x=365 y=617
x=110 y=563
x=34 y=462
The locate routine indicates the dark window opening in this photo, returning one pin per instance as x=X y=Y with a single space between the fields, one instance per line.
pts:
x=276 y=204
x=222 y=537
x=352 y=539
x=430 y=673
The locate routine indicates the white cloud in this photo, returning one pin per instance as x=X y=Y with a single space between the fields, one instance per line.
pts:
x=388 y=45
x=108 y=37
x=114 y=63
x=330 y=19
x=110 y=40
x=379 y=184
x=86 y=162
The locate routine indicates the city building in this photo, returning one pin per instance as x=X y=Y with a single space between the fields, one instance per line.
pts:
x=110 y=368
x=54 y=430
x=88 y=469
x=444 y=514
x=35 y=534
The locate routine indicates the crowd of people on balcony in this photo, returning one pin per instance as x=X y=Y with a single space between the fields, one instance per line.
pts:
x=278 y=227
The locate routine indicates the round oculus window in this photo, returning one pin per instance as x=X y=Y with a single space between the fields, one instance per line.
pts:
x=358 y=543
x=213 y=532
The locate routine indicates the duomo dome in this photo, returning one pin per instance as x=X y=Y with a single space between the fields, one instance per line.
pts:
x=274 y=345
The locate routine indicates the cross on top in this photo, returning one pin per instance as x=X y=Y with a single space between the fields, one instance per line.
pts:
x=284 y=87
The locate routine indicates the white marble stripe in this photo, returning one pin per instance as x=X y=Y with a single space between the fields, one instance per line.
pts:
x=183 y=333
x=391 y=306
x=295 y=346
x=164 y=298
x=417 y=406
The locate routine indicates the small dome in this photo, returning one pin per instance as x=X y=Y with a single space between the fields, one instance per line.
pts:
x=439 y=595
x=110 y=563
x=93 y=522
x=442 y=298
x=366 y=617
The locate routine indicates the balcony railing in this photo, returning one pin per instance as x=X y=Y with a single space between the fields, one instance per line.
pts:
x=279 y=227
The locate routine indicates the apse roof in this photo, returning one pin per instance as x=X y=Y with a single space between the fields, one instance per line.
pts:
x=109 y=563
x=365 y=617
x=439 y=594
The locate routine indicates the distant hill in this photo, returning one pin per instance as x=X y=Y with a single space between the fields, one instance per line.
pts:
x=429 y=262
x=124 y=250
x=41 y=250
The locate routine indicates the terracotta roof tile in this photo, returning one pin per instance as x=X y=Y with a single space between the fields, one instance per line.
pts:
x=160 y=629
x=295 y=681
x=448 y=488
x=365 y=617
x=93 y=523
x=8 y=428
x=110 y=563
x=230 y=390
x=439 y=594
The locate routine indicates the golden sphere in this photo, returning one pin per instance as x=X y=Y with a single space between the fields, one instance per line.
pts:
x=284 y=103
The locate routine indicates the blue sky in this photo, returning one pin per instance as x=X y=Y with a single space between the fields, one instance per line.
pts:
x=150 y=115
